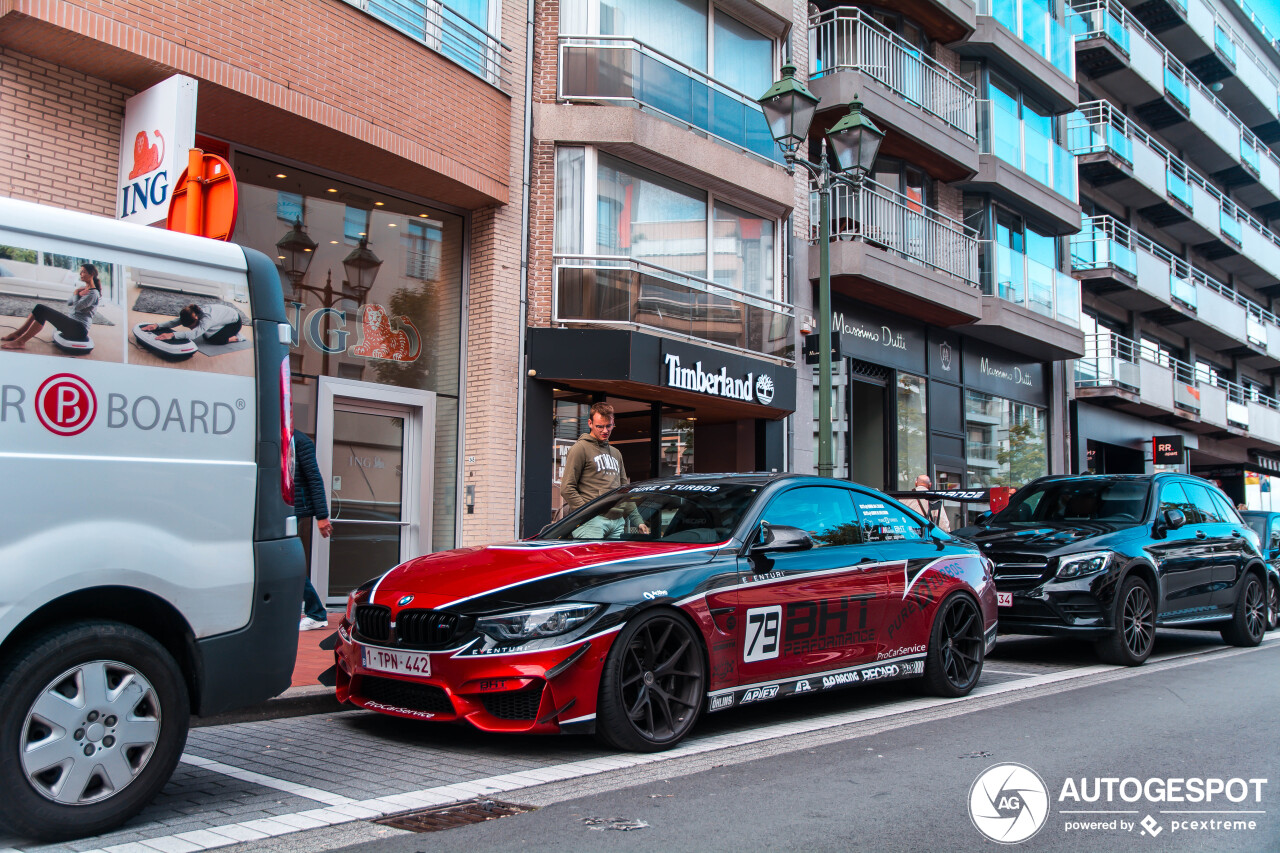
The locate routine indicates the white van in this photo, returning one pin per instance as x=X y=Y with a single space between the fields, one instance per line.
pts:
x=149 y=562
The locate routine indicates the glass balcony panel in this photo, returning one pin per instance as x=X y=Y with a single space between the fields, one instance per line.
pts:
x=1067 y=298
x=623 y=70
x=1177 y=88
x=1116 y=30
x=1230 y=227
x=443 y=29
x=1178 y=187
x=1224 y=44
x=1250 y=157
x=1010 y=276
x=1041 y=283
x=1035 y=18
x=1183 y=290
x=1065 y=173
x=1038 y=148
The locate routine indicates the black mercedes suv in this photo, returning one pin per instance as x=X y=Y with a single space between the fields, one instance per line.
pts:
x=1113 y=557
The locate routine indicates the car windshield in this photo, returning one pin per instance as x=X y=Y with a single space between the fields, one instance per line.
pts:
x=660 y=512
x=1116 y=501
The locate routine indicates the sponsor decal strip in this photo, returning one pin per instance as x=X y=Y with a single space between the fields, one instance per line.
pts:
x=906 y=666
x=506 y=651
x=783 y=577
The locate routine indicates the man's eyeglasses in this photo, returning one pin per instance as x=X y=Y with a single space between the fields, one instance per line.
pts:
x=602 y=426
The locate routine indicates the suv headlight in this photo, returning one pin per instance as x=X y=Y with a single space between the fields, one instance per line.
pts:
x=1079 y=565
x=532 y=624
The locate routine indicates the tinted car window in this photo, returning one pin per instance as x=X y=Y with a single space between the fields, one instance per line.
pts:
x=1225 y=509
x=1078 y=500
x=1259 y=525
x=882 y=522
x=825 y=513
x=678 y=513
x=1209 y=513
x=1173 y=497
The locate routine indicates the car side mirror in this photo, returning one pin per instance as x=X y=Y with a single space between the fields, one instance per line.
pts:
x=776 y=538
x=1174 y=518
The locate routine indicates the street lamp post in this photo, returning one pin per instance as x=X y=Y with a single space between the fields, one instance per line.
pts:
x=855 y=140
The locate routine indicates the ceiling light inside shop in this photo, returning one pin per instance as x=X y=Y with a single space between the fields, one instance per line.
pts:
x=379 y=204
x=281 y=175
x=331 y=190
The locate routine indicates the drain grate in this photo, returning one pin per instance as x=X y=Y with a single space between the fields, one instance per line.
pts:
x=448 y=817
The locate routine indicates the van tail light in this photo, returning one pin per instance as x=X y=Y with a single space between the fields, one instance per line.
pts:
x=286 y=432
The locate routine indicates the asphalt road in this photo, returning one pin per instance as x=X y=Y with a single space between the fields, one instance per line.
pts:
x=868 y=768
x=906 y=788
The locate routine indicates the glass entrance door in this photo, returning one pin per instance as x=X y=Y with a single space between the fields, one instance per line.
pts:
x=376 y=455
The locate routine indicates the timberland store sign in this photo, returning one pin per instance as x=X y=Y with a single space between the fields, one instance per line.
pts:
x=724 y=375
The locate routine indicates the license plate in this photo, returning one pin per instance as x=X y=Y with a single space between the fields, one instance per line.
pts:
x=404 y=663
x=1004 y=599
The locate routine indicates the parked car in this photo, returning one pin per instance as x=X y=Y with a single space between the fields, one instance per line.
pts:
x=1267 y=526
x=666 y=598
x=1113 y=557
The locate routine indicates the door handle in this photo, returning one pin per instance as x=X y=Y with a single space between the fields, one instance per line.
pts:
x=1235 y=534
x=865 y=560
x=1200 y=534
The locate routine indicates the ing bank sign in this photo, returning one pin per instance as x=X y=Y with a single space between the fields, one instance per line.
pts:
x=379 y=334
x=159 y=128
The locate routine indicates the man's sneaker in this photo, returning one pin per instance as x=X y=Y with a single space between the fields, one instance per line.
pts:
x=309 y=624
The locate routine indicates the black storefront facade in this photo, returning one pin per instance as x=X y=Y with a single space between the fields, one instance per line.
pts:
x=910 y=398
x=679 y=407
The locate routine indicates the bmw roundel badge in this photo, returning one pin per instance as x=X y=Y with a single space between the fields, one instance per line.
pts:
x=403 y=601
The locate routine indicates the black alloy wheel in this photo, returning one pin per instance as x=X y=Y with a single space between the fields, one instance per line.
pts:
x=1273 y=605
x=956 y=648
x=1249 y=620
x=653 y=685
x=1134 y=636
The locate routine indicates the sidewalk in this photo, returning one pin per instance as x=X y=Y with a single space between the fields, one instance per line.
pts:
x=305 y=696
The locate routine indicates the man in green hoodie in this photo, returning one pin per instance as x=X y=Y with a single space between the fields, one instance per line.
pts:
x=593 y=467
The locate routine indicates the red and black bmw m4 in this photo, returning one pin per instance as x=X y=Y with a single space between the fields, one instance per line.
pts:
x=666 y=598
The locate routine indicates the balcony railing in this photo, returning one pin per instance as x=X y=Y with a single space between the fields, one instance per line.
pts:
x=617 y=290
x=1104 y=241
x=880 y=216
x=1007 y=136
x=1090 y=19
x=443 y=30
x=619 y=69
x=848 y=39
x=1031 y=21
x=1114 y=361
x=1016 y=278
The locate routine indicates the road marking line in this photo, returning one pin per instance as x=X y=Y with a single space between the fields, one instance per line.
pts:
x=310 y=793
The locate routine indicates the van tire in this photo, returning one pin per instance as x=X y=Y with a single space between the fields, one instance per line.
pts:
x=70 y=688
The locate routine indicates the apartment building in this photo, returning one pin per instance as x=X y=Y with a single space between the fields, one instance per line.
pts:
x=379 y=149
x=1180 y=187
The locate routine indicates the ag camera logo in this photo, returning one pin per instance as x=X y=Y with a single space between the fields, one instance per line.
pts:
x=1008 y=803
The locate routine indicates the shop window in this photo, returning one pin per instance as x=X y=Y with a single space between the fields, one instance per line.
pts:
x=913 y=430
x=1006 y=441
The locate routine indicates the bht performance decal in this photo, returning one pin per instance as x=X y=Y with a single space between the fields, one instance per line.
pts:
x=910 y=667
x=808 y=626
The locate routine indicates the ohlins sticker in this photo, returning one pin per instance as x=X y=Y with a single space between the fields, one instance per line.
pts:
x=879 y=671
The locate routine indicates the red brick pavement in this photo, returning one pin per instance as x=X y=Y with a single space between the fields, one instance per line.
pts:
x=312 y=660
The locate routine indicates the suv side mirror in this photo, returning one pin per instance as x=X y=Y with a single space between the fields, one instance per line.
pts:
x=779 y=537
x=1173 y=518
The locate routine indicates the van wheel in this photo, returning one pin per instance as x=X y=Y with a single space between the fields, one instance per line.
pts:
x=1249 y=619
x=94 y=719
x=1133 y=637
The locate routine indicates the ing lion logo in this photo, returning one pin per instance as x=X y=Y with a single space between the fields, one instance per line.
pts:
x=146 y=157
x=379 y=340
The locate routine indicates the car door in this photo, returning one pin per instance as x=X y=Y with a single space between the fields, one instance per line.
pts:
x=1233 y=552
x=815 y=610
x=1184 y=557
x=906 y=546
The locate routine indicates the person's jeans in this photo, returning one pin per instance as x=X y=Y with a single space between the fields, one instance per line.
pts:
x=312 y=606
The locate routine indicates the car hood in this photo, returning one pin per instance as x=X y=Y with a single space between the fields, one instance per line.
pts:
x=485 y=578
x=1048 y=539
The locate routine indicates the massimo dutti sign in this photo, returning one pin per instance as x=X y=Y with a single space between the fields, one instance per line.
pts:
x=1005 y=374
x=879 y=337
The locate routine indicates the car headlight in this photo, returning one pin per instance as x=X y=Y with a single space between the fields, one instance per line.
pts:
x=1079 y=565
x=532 y=624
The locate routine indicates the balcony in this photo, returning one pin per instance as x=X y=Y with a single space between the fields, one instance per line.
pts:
x=1119 y=157
x=1026 y=169
x=928 y=111
x=1025 y=38
x=889 y=250
x=1028 y=306
x=1136 y=274
x=444 y=30
x=617 y=291
x=1117 y=373
x=1112 y=45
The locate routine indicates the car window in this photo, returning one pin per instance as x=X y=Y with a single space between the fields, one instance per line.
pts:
x=1200 y=496
x=824 y=512
x=1173 y=497
x=1225 y=509
x=1275 y=535
x=883 y=522
x=1083 y=499
x=1259 y=525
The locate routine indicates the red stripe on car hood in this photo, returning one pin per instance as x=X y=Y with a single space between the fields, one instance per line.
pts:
x=447 y=577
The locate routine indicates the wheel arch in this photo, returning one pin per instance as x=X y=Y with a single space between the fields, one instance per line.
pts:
x=1147 y=573
x=138 y=608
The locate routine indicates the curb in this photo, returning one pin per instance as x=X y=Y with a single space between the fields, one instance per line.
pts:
x=294 y=702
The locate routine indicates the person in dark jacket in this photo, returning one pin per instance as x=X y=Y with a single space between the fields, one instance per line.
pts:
x=308 y=502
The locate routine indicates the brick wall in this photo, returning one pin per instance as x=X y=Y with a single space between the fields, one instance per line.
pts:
x=39 y=160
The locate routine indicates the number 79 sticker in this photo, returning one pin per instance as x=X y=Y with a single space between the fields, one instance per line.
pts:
x=761 y=641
